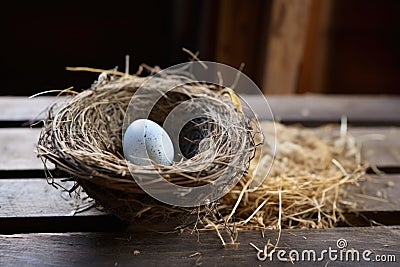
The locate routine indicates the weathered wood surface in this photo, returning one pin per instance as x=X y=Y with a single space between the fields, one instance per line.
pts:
x=36 y=198
x=159 y=249
x=19 y=108
x=17 y=149
x=318 y=109
x=380 y=146
x=376 y=193
x=34 y=201
x=375 y=110
x=286 y=38
x=29 y=205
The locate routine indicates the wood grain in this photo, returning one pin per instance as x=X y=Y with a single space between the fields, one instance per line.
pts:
x=159 y=249
x=376 y=193
x=19 y=108
x=380 y=147
x=366 y=110
x=314 y=69
x=372 y=110
x=35 y=198
x=241 y=33
x=32 y=205
x=17 y=149
x=287 y=34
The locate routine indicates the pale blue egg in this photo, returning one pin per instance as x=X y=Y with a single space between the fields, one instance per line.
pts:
x=145 y=142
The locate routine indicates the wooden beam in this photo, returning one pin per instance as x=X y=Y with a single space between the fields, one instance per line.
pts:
x=287 y=34
x=240 y=36
x=314 y=67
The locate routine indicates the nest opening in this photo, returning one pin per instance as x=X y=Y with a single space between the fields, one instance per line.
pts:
x=192 y=133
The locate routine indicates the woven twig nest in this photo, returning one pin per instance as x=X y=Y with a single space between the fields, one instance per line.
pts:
x=83 y=137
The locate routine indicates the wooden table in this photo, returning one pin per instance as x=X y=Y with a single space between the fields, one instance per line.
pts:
x=39 y=227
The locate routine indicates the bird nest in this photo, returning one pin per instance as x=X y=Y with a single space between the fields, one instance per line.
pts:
x=304 y=188
x=83 y=137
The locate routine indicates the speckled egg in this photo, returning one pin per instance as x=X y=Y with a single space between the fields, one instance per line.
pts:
x=145 y=142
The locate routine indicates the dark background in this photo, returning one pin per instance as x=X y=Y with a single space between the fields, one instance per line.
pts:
x=364 y=47
x=40 y=40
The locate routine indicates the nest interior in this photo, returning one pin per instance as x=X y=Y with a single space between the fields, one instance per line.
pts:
x=303 y=189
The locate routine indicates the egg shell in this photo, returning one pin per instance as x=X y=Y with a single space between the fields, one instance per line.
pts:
x=145 y=141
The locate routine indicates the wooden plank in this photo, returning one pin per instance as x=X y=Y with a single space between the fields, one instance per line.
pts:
x=34 y=198
x=314 y=67
x=375 y=193
x=241 y=33
x=287 y=34
x=17 y=149
x=32 y=205
x=380 y=147
x=172 y=249
x=14 y=108
x=371 y=110
x=374 y=110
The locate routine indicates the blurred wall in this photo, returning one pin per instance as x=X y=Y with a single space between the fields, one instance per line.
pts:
x=40 y=40
x=361 y=41
x=364 y=47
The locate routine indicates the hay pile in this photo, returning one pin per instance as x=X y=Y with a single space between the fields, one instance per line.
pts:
x=304 y=188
